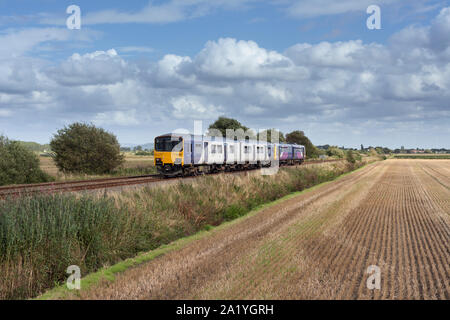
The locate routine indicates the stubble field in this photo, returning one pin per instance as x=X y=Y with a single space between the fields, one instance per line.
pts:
x=393 y=214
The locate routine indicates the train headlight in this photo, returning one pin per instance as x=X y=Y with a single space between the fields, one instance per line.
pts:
x=178 y=161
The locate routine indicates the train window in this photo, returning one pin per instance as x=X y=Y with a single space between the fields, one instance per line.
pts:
x=198 y=146
x=231 y=149
x=168 y=144
x=219 y=149
x=213 y=148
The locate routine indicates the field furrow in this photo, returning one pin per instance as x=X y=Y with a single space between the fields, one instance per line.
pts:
x=394 y=215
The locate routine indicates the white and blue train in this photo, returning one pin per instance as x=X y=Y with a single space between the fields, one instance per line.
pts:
x=187 y=154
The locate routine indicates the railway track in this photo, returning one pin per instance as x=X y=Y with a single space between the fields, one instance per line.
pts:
x=71 y=186
x=83 y=185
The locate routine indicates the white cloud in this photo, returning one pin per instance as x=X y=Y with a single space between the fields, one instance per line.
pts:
x=232 y=59
x=253 y=110
x=5 y=113
x=99 y=67
x=167 y=72
x=121 y=118
x=194 y=107
x=138 y=49
x=327 y=85
x=14 y=43
x=314 y=8
x=166 y=12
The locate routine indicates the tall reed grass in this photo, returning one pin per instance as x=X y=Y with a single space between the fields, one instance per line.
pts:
x=41 y=235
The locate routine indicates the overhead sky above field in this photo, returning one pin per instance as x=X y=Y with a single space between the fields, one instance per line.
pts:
x=142 y=68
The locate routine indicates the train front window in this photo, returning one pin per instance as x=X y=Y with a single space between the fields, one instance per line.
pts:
x=168 y=144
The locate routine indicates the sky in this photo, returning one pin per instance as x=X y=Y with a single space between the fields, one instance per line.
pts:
x=143 y=68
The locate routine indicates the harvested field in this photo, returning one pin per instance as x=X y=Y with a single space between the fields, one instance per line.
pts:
x=393 y=214
x=133 y=165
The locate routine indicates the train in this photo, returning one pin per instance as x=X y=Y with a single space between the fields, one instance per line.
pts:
x=187 y=154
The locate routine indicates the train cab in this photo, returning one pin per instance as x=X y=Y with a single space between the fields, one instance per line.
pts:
x=169 y=154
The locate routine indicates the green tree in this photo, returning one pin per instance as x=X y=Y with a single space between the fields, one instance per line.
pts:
x=268 y=133
x=84 y=148
x=298 y=137
x=18 y=165
x=223 y=123
x=350 y=156
x=335 y=152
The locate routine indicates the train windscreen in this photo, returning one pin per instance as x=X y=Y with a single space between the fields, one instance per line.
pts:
x=168 y=144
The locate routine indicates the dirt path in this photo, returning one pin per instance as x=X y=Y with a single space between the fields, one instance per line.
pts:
x=393 y=214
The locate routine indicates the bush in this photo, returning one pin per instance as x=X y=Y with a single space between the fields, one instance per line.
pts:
x=45 y=234
x=335 y=152
x=233 y=212
x=19 y=165
x=350 y=157
x=83 y=148
x=299 y=137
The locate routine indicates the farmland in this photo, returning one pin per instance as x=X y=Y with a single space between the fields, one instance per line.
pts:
x=443 y=156
x=318 y=244
x=41 y=234
x=134 y=165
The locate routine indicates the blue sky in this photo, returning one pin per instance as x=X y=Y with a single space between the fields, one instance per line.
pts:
x=142 y=68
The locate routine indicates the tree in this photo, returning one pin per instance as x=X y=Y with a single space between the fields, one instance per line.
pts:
x=298 y=137
x=268 y=133
x=350 y=156
x=84 y=148
x=335 y=152
x=223 y=123
x=19 y=165
x=372 y=152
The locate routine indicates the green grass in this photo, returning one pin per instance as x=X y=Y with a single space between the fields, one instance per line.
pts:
x=134 y=171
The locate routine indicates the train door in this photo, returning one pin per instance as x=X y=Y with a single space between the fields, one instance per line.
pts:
x=206 y=150
x=187 y=147
x=197 y=151
x=225 y=152
x=254 y=153
x=239 y=146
